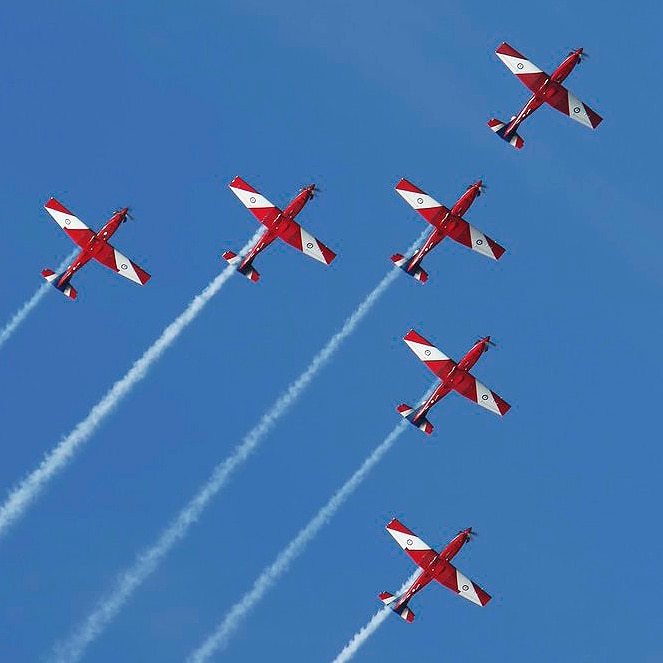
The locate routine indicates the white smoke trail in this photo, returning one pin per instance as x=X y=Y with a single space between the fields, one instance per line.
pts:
x=221 y=636
x=31 y=304
x=364 y=633
x=148 y=560
x=56 y=460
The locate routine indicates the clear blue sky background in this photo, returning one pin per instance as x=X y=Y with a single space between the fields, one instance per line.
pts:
x=157 y=106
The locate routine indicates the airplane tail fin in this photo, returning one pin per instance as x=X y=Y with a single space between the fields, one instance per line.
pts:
x=418 y=273
x=402 y=610
x=66 y=289
x=409 y=413
x=513 y=139
x=248 y=270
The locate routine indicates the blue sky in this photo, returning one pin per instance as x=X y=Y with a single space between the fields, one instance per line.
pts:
x=158 y=107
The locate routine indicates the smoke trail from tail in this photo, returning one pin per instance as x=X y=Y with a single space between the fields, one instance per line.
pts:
x=266 y=580
x=149 y=559
x=27 y=308
x=366 y=631
x=22 y=496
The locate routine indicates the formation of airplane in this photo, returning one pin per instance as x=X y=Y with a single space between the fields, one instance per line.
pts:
x=434 y=566
x=446 y=223
x=279 y=224
x=545 y=89
x=93 y=245
x=453 y=376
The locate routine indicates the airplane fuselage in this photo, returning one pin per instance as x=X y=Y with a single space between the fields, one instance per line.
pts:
x=279 y=224
x=445 y=224
x=456 y=374
x=94 y=245
x=550 y=89
x=436 y=566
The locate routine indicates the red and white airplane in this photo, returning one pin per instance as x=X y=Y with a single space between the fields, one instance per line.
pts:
x=447 y=223
x=545 y=89
x=453 y=376
x=93 y=245
x=279 y=224
x=435 y=566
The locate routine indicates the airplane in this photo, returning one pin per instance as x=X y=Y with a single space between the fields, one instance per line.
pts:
x=93 y=245
x=447 y=223
x=279 y=224
x=454 y=376
x=545 y=89
x=436 y=566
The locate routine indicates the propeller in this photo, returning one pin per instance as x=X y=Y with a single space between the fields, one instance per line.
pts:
x=470 y=535
x=482 y=188
x=128 y=216
x=315 y=191
x=490 y=342
x=582 y=56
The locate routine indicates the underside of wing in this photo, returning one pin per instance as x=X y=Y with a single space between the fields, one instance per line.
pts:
x=254 y=201
x=471 y=388
x=113 y=259
x=303 y=241
x=457 y=582
x=420 y=201
x=419 y=551
x=566 y=102
x=425 y=351
x=528 y=73
x=71 y=224
x=468 y=235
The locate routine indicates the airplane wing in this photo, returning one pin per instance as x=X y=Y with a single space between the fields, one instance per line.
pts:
x=566 y=102
x=420 y=553
x=425 y=351
x=419 y=200
x=255 y=202
x=467 y=234
x=113 y=259
x=471 y=388
x=457 y=582
x=70 y=223
x=529 y=74
x=303 y=241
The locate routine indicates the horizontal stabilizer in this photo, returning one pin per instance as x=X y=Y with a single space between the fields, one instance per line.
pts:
x=499 y=128
x=248 y=271
x=418 y=273
x=387 y=598
x=402 y=611
x=67 y=289
x=409 y=413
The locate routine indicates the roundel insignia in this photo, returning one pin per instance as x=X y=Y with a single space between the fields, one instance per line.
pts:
x=484 y=397
x=124 y=265
x=479 y=242
x=409 y=542
x=465 y=587
x=427 y=353
x=252 y=199
x=520 y=65
x=420 y=201
x=67 y=221
x=309 y=245
x=576 y=109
